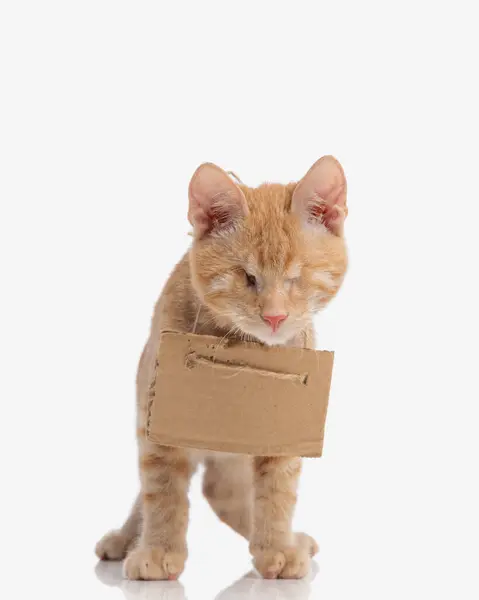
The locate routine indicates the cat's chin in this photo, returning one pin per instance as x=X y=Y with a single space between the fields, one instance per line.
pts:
x=278 y=338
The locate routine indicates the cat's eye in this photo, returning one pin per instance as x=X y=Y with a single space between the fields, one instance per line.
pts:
x=250 y=280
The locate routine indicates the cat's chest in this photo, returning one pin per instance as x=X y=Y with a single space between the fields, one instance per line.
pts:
x=199 y=456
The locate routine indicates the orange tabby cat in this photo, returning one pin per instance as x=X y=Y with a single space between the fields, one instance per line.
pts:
x=262 y=262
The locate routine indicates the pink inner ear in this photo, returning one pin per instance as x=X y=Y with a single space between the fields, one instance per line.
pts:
x=317 y=211
x=215 y=201
x=217 y=217
x=330 y=216
x=320 y=197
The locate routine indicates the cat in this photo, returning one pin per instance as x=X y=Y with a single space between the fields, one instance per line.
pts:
x=262 y=262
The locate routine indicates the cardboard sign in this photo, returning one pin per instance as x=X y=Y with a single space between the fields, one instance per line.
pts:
x=238 y=397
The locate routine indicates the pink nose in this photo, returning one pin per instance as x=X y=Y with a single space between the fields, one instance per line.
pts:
x=274 y=320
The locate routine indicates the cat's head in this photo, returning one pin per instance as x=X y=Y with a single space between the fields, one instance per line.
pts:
x=265 y=259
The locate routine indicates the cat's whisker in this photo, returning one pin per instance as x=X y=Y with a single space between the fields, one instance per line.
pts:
x=223 y=339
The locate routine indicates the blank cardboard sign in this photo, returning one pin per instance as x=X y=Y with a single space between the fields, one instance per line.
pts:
x=238 y=397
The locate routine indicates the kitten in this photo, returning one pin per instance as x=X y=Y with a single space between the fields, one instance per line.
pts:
x=262 y=262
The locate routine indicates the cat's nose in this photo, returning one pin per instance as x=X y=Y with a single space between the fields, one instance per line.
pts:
x=274 y=321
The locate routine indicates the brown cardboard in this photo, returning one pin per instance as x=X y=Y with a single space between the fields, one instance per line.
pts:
x=238 y=397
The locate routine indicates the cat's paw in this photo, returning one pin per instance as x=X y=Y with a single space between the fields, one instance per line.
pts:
x=154 y=563
x=112 y=546
x=303 y=540
x=289 y=562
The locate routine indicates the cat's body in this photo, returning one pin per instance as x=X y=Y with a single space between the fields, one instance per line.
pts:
x=238 y=231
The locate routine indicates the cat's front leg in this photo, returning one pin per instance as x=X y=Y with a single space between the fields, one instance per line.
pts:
x=276 y=550
x=161 y=550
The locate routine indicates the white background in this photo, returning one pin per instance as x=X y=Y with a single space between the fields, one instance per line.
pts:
x=107 y=107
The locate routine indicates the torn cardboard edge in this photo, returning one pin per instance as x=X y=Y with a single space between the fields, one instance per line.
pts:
x=240 y=397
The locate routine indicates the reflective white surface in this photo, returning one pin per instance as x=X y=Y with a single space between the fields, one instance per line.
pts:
x=218 y=566
x=248 y=586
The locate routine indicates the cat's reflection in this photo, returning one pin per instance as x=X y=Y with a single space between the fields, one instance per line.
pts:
x=110 y=573
x=250 y=586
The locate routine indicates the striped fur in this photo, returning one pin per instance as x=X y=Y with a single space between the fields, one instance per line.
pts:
x=298 y=260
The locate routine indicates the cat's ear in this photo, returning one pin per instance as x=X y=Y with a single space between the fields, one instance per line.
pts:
x=320 y=197
x=216 y=202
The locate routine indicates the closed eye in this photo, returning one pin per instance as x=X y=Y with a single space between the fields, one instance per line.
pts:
x=291 y=280
x=250 y=280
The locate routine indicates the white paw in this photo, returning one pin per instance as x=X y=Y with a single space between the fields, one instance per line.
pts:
x=288 y=562
x=154 y=563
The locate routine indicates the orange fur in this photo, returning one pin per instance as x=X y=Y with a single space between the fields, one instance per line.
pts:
x=276 y=249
